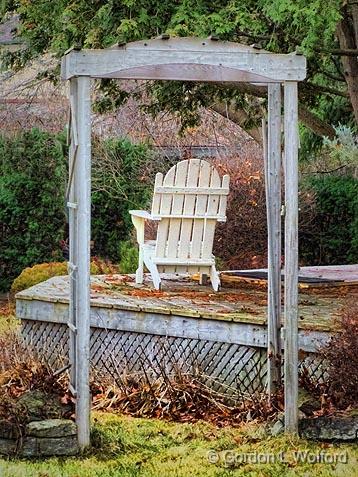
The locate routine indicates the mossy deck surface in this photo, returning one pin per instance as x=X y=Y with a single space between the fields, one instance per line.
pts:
x=247 y=302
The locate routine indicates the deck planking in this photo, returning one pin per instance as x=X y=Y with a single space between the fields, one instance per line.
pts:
x=181 y=296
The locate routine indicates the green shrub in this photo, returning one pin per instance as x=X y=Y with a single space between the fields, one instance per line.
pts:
x=31 y=276
x=32 y=219
x=331 y=236
x=129 y=257
x=123 y=179
x=38 y=273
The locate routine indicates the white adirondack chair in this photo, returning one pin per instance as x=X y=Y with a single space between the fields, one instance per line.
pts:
x=187 y=203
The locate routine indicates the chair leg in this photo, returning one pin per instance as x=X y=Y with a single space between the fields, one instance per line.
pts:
x=139 y=275
x=215 y=278
x=153 y=269
x=155 y=277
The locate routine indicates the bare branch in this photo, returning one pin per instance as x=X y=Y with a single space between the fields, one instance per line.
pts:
x=327 y=172
x=239 y=117
x=332 y=76
x=309 y=119
x=326 y=89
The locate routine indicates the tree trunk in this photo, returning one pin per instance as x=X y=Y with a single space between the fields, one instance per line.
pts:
x=310 y=120
x=314 y=123
x=239 y=117
x=354 y=9
x=347 y=33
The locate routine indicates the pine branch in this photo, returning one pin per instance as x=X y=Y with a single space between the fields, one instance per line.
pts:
x=325 y=89
x=309 y=119
x=339 y=51
x=332 y=76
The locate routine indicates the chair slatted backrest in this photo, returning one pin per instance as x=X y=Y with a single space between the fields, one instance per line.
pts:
x=190 y=199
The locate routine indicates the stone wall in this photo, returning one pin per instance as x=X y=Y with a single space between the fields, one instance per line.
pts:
x=49 y=437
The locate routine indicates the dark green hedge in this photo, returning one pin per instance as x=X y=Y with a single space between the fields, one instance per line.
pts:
x=332 y=237
x=32 y=220
x=119 y=192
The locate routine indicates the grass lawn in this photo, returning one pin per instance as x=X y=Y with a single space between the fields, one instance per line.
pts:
x=130 y=447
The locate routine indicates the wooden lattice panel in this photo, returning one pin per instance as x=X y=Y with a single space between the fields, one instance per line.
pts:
x=315 y=367
x=226 y=367
x=49 y=339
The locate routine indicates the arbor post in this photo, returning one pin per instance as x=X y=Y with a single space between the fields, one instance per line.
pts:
x=273 y=207
x=291 y=257
x=82 y=177
x=71 y=196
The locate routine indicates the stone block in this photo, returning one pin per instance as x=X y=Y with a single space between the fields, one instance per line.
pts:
x=330 y=428
x=40 y=405
x=45 y=447
x=51 y=428
x=7 y=446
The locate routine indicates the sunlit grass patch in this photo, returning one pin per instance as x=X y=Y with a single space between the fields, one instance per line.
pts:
x=132 y=447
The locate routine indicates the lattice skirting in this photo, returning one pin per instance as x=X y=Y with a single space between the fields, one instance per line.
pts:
x=226 y=367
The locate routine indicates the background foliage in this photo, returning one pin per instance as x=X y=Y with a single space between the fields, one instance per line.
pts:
x=32 y=220
x=329 y=202
x=332 y=237
x=276 y=25
x=32 y=179
x=123 y=175
x=32 y=204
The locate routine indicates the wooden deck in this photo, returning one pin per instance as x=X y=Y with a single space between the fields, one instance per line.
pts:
x=182 y=296
x=184 y=326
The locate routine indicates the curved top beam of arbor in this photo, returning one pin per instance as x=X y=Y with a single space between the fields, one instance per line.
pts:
x=190 y=59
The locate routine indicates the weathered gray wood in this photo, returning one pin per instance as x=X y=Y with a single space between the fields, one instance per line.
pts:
x=72 y=213
x=83 y=188
x=180 y=59
x=273 y=206
x=167 y=325
x=291 y=257
x=123 y=353
x=185 y=59
x=317 y=312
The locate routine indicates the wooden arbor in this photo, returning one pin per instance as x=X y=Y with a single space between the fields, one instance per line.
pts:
x=190 y=60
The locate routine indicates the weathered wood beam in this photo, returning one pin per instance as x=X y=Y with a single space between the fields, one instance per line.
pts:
x=198 y=61
x=273 y=207
x=83 y=188
x=72 y=193
x=291 y=257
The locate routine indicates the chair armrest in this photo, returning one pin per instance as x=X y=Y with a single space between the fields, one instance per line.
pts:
x=138 y=219
x=142 y=214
